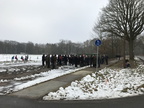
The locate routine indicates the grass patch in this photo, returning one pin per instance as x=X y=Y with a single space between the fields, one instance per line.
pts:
x=120 y=64
x=141 y=86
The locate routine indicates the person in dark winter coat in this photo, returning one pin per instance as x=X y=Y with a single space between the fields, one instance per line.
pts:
x=106 y=59
x=76 y=61
x=59 y=60
x=48 y=61
x=81 y=60
x=127 y=64
x=12 y=58
x=102 y=59
x=65 y=60
x=91 y=60
x=53 y=61
x=43 y=59
x=99 y=61
x=94 y=61
x=16 y=58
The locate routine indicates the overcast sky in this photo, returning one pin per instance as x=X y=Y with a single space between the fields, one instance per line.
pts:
x=48 y=21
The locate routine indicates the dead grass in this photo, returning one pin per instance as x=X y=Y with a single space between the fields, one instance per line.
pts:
x=141 y=86
x=119 y=64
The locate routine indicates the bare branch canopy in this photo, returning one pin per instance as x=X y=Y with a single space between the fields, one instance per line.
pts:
x=123 y=18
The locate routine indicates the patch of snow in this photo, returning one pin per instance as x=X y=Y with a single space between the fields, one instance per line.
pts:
x=105 y=84
x=3 y=80
x=44 y=76
x=2 y=70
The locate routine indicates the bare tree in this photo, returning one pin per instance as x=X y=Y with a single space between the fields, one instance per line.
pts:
x=125 y=19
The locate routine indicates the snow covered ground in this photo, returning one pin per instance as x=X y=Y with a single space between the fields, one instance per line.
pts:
x=105 y=84
x=7 y=62
x=16 y=84
x=8 y=57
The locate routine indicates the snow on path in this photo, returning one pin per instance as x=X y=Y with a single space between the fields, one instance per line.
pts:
x=43 y=76
x=105 y=84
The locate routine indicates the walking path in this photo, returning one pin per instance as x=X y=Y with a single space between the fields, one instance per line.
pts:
x=16 y=102
x=38 y=91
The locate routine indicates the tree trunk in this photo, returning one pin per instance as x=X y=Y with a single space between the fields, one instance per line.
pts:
x=124 y=56
x=131 y=49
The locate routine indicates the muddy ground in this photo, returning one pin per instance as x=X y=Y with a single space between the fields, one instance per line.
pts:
x=21 y=71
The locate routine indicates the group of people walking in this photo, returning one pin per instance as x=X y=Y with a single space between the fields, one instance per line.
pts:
x=52 y=61
x=22 y=58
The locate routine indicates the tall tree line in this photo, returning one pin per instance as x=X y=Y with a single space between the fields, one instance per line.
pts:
x=111 y=46
x=63 y=47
